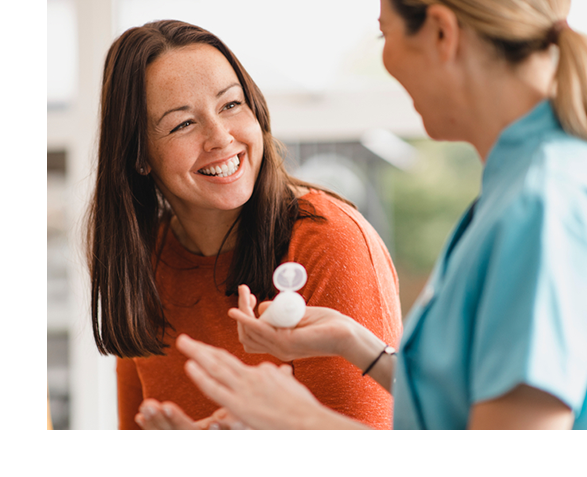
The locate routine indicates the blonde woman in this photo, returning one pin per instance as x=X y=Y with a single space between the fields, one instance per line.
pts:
x=497 y=338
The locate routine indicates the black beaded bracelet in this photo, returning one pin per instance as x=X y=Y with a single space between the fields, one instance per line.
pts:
x=387 y=350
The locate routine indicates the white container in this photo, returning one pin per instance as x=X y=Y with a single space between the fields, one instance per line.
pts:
x=288 y=307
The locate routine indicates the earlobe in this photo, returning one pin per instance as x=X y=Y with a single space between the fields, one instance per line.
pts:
x=144 y=170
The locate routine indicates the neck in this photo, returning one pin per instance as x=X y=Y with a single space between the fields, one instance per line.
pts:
x=498 y=96
x=203 y=232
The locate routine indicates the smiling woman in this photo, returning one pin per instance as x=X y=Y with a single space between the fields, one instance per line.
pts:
x=192 y=200
x=193 y=147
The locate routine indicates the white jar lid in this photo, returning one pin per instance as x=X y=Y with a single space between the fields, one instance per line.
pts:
x=289 y=276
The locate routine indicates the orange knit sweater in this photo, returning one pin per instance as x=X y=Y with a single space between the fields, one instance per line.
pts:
x=349 y=269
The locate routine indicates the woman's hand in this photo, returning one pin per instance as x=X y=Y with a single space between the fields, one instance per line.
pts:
x=262 y=397
x=322 y=331
x=154 y=415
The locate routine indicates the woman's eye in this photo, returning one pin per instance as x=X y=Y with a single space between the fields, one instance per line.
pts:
x=182 y=125
x=232 y=105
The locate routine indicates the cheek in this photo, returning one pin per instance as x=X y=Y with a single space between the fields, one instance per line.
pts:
x=388 y=57
x=254 y=137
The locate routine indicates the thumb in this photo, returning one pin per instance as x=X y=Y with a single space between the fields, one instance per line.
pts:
x=263 y=306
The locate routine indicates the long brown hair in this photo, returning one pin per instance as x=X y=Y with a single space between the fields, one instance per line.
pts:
x=127 y=209
x=518 y=28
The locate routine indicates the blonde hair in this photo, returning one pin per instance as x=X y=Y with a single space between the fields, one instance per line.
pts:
x=520 y=27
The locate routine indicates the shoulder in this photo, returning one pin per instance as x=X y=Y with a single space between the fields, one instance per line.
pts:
x=338 y=218
x=341 y=239
x=559 y=160
x=349 y=267
x=553 y=191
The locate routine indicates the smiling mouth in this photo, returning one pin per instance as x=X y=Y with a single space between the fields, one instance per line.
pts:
x=225 y=169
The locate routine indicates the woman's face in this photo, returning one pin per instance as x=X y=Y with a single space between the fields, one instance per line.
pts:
x=411 y=60
x=205 y=143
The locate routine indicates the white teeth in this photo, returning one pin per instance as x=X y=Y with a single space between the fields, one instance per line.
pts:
x=225 y=170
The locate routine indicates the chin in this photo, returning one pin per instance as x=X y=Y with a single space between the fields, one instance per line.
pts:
x=439 y=131
x=234 y=202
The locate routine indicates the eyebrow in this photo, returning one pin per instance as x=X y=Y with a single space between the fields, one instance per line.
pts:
x=221 y=92
x=187 y=108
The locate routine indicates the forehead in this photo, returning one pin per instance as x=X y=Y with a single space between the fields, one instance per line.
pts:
x=387 y=13
x=189 y=70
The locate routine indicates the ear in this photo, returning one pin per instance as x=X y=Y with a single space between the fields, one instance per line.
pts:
x=445 y=26
x=144 y=170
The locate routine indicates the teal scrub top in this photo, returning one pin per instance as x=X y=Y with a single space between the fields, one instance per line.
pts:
x=506 y=303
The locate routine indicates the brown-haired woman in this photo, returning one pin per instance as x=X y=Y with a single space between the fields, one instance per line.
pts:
x=497 y=338
x=192 y=199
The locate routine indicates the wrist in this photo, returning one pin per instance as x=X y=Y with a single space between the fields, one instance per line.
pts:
x=348 y=341
x=360 y=346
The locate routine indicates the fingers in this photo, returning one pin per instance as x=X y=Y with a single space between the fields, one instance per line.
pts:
x=217 y=364
x=210 y=422
x=154 y=415
x=151 y=417
x=223 y=420
x=256 y=336
x=215 y=390
x=245 y=299
x=242 y=317
x=248 y=340
x=177 y=418
x=223 y=425
x=169 y=416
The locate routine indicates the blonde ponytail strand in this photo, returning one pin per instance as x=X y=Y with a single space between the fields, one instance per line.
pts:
x=570 y=100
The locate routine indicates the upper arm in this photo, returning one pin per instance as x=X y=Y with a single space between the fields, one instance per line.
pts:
x=524 y=407
x=530 y=326
x=350 y=270
x=356 y=278
x=130 y=394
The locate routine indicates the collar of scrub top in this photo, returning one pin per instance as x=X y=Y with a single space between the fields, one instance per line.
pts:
x=428 y=294
x=533 y=125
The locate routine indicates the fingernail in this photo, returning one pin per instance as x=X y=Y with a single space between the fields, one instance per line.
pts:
x=167 y=410
x=213 y=427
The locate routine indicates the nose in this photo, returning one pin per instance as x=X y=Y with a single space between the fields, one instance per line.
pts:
x=217 y=136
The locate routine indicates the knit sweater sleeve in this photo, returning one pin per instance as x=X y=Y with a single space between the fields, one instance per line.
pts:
x=349 y=270
x=130 y=394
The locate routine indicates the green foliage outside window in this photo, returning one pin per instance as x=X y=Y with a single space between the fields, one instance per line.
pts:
x=425 y=204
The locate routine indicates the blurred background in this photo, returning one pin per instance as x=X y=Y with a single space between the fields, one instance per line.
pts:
x=346 y=124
